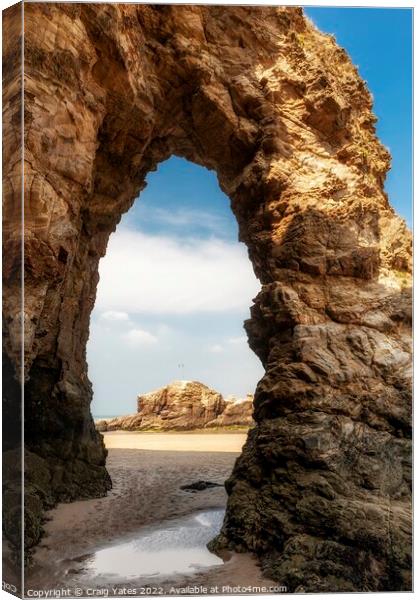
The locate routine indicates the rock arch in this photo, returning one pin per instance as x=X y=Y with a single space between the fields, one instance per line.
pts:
x=321 y=490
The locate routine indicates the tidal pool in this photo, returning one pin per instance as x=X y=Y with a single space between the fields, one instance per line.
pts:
x=171 y=547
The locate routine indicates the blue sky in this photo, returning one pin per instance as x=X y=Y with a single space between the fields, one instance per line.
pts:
x=176 y=285
x=183 y=198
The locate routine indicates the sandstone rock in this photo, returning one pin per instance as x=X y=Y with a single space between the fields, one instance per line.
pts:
x=322 y=489
x=182 y=405
x=236 y=413
x=102 y=424
x=125 y=422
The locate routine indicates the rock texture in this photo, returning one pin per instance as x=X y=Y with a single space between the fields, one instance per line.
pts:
x=182 y=405
x=322 y=490
x=237 y=412
x=12 y=42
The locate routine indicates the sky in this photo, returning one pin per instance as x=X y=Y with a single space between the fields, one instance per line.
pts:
x=176 y=285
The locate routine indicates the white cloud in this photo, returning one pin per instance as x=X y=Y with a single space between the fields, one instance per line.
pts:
x=242 y=339
x=114 y=315
x=139 y=337
x=151 y=274
x=216 y=348
x=183 y=218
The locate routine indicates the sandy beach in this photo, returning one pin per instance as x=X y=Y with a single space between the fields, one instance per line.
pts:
x=147 y=471
x=170 y=441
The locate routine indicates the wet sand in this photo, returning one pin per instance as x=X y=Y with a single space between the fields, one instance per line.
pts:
x=147 y=470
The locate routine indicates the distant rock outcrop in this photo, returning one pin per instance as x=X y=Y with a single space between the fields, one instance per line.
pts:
x=183 y=405
x=236 y=412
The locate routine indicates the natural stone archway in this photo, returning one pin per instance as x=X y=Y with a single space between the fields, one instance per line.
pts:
x=322 y=489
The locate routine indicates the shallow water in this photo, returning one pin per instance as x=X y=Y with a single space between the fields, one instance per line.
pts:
x=172 y=547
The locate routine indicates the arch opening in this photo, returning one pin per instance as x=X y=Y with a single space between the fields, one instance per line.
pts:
x=174 y=291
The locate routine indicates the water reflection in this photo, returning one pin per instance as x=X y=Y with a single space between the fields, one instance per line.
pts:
x=177 y=546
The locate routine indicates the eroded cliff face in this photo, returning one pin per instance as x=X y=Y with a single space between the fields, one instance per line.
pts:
x=179 y=404
x=182 y=405
x=322 y=490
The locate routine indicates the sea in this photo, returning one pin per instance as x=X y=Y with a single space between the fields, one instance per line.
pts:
x=100 y=417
